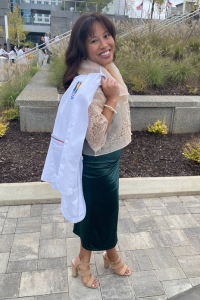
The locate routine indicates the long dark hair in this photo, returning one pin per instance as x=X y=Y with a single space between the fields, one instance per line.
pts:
x=12 y=48
x=76 y=51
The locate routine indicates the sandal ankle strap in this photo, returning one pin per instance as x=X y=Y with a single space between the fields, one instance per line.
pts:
x=79 y=262
x=84 y=273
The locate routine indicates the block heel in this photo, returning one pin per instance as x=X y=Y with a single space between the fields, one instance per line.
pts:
x=106 y=263
x=115 y=265
x=74 y=270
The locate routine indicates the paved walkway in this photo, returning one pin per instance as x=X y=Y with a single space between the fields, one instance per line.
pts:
x=159 y=238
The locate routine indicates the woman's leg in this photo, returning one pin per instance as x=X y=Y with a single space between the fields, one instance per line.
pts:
x=113 y=256
x=85 y=256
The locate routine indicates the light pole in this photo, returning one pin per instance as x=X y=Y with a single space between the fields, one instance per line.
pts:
x=184 y=3
x=6 y=30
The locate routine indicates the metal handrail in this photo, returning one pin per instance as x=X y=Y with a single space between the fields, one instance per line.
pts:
x=175 y=20
x=34 y=50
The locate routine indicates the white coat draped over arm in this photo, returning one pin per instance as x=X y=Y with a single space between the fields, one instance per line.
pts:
x=63 y=165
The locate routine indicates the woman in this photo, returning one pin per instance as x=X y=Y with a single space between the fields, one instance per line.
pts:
x=21 y=55
x=12 y=54
x=41 y=46
x=91 y=46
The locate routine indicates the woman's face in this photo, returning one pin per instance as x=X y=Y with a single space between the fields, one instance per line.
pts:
x=101 y=46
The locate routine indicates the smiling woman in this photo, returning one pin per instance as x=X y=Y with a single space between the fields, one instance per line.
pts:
x=100 y=48
x=88 y=30
x=91 y=49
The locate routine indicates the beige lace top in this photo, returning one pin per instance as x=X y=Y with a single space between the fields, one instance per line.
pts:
x=97 y=141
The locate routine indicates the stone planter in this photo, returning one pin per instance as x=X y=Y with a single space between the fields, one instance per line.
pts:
x=38 y=107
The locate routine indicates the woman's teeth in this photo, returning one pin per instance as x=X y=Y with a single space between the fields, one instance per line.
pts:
x=105 y=53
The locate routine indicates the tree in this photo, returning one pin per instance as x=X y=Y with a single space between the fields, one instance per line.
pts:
x=16 y=33
x=152 y=8
x=160 y=5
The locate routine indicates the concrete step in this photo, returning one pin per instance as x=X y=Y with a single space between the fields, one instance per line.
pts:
x=129 y=188
x=191 y=294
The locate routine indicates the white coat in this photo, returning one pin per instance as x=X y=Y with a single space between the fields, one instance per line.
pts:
x=63 y=166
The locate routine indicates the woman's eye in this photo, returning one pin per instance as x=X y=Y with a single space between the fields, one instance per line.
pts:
x=94 y=41
x=107 y=35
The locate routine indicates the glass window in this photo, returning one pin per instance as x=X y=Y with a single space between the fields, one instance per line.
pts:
x=46 y=20
x=39 y=19
x=46 y=16
x=46 y=2
x=39 y=15
x=32 y=1
x=39 y=2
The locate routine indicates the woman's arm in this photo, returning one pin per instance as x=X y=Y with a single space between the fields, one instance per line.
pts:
x=111 y=91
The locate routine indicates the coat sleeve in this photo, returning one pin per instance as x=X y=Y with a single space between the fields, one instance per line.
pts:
x=97 y=123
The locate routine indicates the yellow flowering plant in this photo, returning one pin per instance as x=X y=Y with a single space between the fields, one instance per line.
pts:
x=11 y=114
x=192 y=151
x=158 y=127
x=3 y=127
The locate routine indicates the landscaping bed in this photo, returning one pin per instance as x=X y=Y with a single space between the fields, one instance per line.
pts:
x=22 y=155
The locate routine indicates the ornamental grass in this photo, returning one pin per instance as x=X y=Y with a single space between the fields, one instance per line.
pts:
x=159 y=59
x=16 y=77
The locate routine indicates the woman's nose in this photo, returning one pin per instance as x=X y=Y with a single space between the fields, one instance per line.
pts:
x=103 y=43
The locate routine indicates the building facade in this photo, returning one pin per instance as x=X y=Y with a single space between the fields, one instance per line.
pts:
x=4 y=8
x=54 y=16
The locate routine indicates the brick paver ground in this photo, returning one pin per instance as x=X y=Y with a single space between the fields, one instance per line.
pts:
x=159 y=238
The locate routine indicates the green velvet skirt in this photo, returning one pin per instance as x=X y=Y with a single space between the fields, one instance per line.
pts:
x=98 y=230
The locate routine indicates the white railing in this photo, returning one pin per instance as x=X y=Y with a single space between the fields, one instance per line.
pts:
x=34 y=51
x=162 y=24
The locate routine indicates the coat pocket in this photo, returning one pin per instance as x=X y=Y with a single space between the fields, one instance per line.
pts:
x=57 y=153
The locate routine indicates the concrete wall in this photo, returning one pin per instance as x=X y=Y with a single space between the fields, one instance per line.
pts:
x=38 y=106
x=4 y=8
x=182 y=113
x=38 y=109
x=63 y=21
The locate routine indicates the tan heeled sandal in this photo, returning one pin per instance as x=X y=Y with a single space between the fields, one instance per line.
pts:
x=115 y=265
x=83 y=273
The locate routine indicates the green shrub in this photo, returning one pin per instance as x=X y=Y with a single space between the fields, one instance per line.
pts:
x=181 y=72
x=138 y=84
x=194 y=45
x=158 y=127
x=33 y=70
x=10 y=90
x=155 y=73
x=192 y=151
x=56 y=70
x=19 y=78
x=178 y=52
x=11 y=114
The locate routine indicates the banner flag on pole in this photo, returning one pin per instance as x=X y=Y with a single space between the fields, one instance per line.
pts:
x=140 y=7
x=169 y=4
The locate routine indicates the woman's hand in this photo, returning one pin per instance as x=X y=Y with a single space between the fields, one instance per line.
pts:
x=110 y=89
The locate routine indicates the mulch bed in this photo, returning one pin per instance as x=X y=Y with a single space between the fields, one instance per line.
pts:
x=22 y=155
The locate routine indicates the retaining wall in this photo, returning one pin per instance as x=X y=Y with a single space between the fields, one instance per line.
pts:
x=38 y=106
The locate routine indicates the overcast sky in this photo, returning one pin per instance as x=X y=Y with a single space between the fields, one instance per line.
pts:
x=146 y=7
